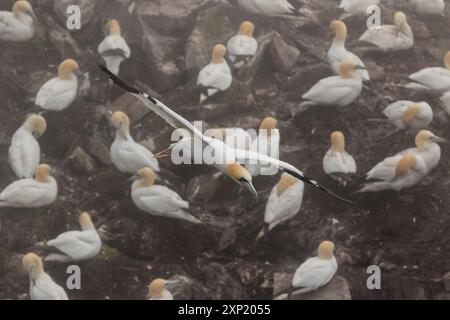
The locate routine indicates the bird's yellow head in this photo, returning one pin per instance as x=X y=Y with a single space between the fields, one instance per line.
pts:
x=326 y=250
x=424 y=137
x=286 y=180
x=247 y=28
x=410 y=112
x=20 y=7
x=405 y=164
x=340 y=29
x=239 y=174
x=218 y=53
x=156 y=288
x=120 y=120
x=269 y=124
x=147 y=176
x=447 y=59
x=399 y=19
x=67 y=68
x=85 y=221
x=337 y=141
x=32 y=261
x=42 y=172
x=113 y=27
x=37 y=124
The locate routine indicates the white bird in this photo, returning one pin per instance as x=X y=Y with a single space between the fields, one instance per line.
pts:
x=42 y=287
x=284 y=202
x=268 y=143
x=409 y=115
x=338 y=52
x=127 y=155
x=159 y=200
x=428 y=7
x=391 y=37
x=337 y=163
x=356 y=7
x=114 y=49
x=243 y=46
x=427 y=147
x=58 y=93
x=433 y=78
x=267 y=7
x=25 y=152
x=157 y=290
x=76 y=245
x=227 y=156
x=17 y=26
x=216 y=76
x=338 y=91
x=31 y=193
x=236 y=138
x=445 y=101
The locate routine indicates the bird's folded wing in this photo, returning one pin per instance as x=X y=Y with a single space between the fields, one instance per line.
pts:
x=47 y=288
x=71 y=243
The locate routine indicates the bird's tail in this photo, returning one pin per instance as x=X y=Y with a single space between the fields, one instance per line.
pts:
x=189 y=217
x=57 y=257
x=373 y=187
x=262 y=233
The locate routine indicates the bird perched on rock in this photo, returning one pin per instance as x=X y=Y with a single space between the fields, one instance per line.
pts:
x=114 y=49
x=17 y=26
x=157 y=290
x=356 y=7
x=243 y=46
x=58 y=93
x=42 y=287
x=409 y=115
x=337 y=163
x=159 y=200
x=216 y=76
x=76 y=245
x=391 y=37
x=31 y=193
x=24 y=151
x=338 y=52
x=127 y=155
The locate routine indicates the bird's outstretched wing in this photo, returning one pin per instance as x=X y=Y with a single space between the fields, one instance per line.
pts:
x=286 y=167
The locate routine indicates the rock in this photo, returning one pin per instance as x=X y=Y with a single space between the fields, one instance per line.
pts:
x=86 y=8
x=420 y=30
x=183 y=288
x=99 y=149
x=61 y=39
x=443 y=296
x=283 y=55
x=282 y=282
x=82 y=161
x=211 y=27
x=202 y=188
x=376 y=73
x=446 y=280
x=131 y=106
x=167 y=75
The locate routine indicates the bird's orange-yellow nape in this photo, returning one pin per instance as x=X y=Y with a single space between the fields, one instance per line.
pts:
x=286 y=180
x=337 y=141
x=156 y=288
x=113 y=27
x=36 y=123
x=21 y=7
x=32 y=261
x=406 y=163
x=218 y=53
x=410 y=112
x=85 y=221
x=147 y=176
x=120 y=119
x=340 y=29
x=42 y=172
x=347 y=68
x=269 y=124
x=67 y=68
x=247 y=28
x=326 y=250
x=236 y=171
x=399 y=18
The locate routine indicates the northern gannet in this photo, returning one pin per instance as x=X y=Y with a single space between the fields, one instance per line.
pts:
x=42 y=287
x=433 y=78
x=338 y=52
x=356 y=7
x=445 y=101
x=284 y=202
x=268 y=143
x=409 y=115
x=337 y=163
x=127 y=155
x=58 y=93
x=267 y=7
x=227 y=154
x=159 y=200
x=391 y=37
x=216 y=76
x=428 y=7
x=336 y=90
x=76 y=245
x=25 y=152
x=114 y=49
x=157 y=290
x=17 y=26
x=243 y=46
x=31 y=193
x=427 y=147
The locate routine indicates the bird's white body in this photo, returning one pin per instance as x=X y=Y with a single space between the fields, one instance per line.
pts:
x=357 y=7
x=57 y=94
x=24 y=153
x=428 y=7
x=241 y=45
x=445 y=101
x=114 y=50
x=15 y=29
x=422 y=118
x=267 y=145
x=215 y=77
x=430 y=154
x=338 y=52
x=284 y=206
x=161 y=201
x=29 y=193
x=314 y=273
x=434 y=78
x=129 y=156
x=267 y=7
x=389 y=37
x=44 y=288
x=165 y=295
x=338 y=162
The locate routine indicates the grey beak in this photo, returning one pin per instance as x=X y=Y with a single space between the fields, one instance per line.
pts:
x=78 y=73
x=439 y=140
x=249 y=186
x=360 y=67
x=133 y=178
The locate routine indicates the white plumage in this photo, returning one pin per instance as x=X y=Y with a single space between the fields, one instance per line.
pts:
x=337 y=162
x=267 y=7
x=356 y=7
x=445 y=101
x=433 y=78
x=157 y=290
x=17 y=26
x=428 y=7
x=243 y=45
x=114 y=49
x=408 y=114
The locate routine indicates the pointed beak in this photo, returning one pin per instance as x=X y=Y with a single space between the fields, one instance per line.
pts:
x=36 y=135
x=133 y=178
x=78 y=73
x=439 y=140
x=360 y=67
x=249 y=186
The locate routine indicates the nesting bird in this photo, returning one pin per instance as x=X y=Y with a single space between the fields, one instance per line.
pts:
x=267 y=7
x=216 y=76
x=428 y=7
x=338 y=52
x=17 y=26
x=391 y=37
x=76 y=245
x=157 y=290
x=42 y=286
x=243 y=46
x=339 y=90
x=356 y=7
x=445 y=101
x=31 y=193
x=337 y=163
x=409 y=115
x=24 y=152
x=432 y=78
x=284 y=202
x=114 y=49
x=58 y=93
x=127 y=155
x=159 y=200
